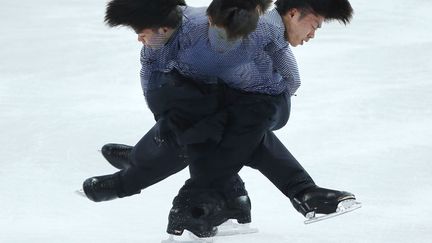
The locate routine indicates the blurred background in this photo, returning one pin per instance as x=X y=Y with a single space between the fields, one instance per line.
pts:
x=361 y=123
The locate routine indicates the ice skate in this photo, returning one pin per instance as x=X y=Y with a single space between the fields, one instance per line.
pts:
x=344 y=206
x=102 y=188
x=194 y=214
x=117 y=155
x=202 y=214
x=317 y=203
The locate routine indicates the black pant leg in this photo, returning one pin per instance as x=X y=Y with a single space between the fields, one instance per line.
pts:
x=247 y=140
x=186 y=113
x=191 y=110
x=275 y=162
x=155 y=157
x=249 y=117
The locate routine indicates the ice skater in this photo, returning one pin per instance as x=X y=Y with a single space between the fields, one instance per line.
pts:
x=297 y=20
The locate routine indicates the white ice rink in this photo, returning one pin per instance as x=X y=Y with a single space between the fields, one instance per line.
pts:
x=362 y=122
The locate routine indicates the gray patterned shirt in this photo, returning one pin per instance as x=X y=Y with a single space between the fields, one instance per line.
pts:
x=263 y=63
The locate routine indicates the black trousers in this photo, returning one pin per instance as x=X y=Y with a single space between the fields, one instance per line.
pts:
x=275 y=162
x=155 y=157
x=248 y=140
x=215 y=130
x=185 y=113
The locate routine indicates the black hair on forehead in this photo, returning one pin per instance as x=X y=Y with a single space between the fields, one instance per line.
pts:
x=340 y=10
x=142 y=14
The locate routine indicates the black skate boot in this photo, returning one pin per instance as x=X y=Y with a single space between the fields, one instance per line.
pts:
x=117 y=155
x=239 y=208
x=195 y=212
x=102 y=188
x=317 y=200
x=201 y=210
x=237 y=199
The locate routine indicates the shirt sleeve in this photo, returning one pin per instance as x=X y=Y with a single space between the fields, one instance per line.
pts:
x=145 y=70
x=285 y=64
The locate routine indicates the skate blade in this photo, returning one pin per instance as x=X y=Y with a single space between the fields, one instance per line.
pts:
x=188 y=239
x=345 y=206
x=228 y=228
x=232 y=228
x=81 y=193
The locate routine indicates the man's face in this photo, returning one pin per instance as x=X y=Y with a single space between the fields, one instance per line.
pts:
x=154 y=38
x=300 y=27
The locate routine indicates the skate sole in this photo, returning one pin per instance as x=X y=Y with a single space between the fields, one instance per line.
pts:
x=231 y=228
x=343 y=207
x=228 y=228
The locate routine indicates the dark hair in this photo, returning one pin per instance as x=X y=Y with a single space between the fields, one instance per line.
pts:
x=143 y=14
x=238 y=17
x=340 y=10
x=263 y=4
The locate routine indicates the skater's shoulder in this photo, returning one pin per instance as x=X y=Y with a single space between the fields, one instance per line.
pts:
x=194 y=16
x=268 y=32
x=194 y=24
x=272 y=19
x=193 y=13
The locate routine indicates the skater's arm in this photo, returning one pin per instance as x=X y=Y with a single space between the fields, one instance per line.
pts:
x=285 y=64
x=278 y=48
x=145 y=69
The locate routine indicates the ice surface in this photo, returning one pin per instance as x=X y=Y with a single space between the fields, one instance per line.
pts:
x=361 y=122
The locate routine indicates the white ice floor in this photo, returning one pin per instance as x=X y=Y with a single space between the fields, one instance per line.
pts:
x=361 y=122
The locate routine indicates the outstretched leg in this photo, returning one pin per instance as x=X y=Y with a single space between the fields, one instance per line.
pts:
x=274 y=161
x=155 y=157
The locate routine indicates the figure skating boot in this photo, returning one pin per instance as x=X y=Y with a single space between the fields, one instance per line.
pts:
x=117 y=155
x=325 y=202
x=102 y=188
